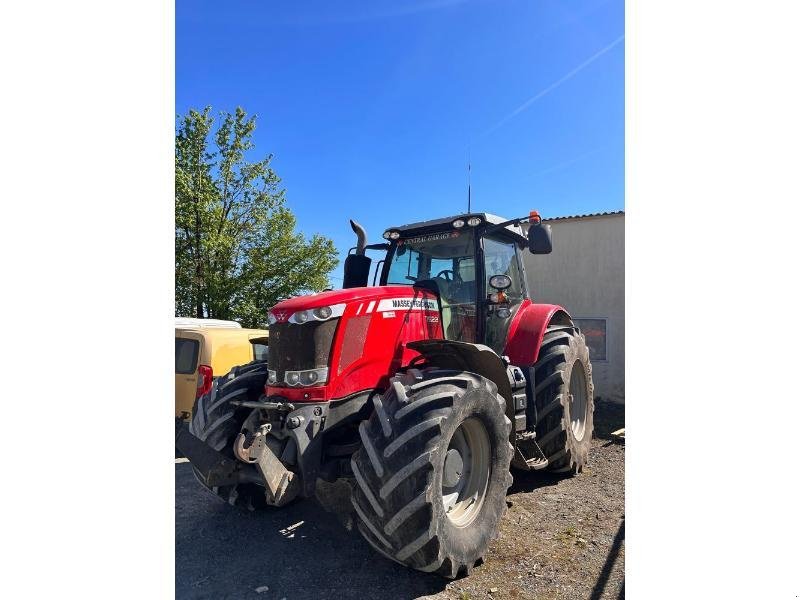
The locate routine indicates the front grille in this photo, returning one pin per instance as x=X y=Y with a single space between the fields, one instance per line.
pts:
x=297 y=347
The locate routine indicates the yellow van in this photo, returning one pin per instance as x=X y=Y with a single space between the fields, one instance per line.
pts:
x=205 y=349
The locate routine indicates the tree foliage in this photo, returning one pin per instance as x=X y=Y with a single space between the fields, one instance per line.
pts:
x=236 y=249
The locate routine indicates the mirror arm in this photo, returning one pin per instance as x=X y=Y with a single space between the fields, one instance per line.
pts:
x=516 y=221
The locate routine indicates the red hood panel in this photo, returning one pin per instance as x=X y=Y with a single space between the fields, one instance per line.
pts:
x=349 y=295
x=370 y=341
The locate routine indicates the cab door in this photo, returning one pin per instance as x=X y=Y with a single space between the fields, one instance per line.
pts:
x=501 y=257
x=187 y=357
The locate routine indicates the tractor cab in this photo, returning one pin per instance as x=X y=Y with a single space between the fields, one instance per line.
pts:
x=472 y=262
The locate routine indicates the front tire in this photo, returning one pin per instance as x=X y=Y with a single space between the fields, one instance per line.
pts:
x=217 y=422
x=564 y=399
x=433 y=470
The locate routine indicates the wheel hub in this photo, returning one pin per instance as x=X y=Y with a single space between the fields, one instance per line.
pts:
x=578 y=401
x=465 y=472
x=453 y=468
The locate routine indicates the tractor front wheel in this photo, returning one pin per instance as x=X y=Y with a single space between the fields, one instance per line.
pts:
x=433 y=470
x=217 y=422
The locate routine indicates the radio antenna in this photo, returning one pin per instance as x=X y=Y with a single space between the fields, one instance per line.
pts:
x=469 y=182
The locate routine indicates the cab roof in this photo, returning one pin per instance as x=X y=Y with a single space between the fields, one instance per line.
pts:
x=445 y=222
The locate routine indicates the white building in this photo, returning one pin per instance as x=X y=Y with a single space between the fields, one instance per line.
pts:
x=586 y=275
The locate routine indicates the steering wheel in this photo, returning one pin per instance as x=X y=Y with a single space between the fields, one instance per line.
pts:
x=444 y=275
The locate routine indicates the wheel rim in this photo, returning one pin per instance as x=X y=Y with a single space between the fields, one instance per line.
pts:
x=578 y=400
x=465 y=476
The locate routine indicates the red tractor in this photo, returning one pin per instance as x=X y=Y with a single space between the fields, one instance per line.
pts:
x=421 y=392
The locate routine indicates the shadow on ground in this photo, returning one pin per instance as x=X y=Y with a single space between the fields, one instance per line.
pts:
x=608 y=417
x=605 y=573
x=298 y=552
x=528 y=481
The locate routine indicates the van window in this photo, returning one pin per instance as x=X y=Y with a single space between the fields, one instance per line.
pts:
x=186 y=352
x=260 y=351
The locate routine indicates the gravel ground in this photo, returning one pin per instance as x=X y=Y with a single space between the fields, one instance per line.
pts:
x=561 y=538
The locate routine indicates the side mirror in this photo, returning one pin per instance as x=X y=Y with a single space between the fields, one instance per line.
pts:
x=540 y=240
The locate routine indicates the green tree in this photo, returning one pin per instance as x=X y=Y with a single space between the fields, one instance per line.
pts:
x=236 y=249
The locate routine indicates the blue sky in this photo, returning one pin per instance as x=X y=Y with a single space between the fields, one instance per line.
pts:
x=372 y=108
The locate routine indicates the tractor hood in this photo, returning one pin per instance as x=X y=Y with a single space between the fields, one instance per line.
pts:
x=399 y=296
x=339 y=343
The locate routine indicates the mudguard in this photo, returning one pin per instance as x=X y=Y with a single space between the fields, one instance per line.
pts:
x=463 y=356
x=527 y=330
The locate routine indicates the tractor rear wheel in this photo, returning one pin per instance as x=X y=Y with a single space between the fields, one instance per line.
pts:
x=433 y=470
x=217 y=422
x=564 y=399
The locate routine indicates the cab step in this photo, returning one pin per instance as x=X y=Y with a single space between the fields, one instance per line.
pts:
x=535 y=464
x=529 y=455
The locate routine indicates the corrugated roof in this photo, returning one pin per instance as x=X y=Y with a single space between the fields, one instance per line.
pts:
x=601 y=214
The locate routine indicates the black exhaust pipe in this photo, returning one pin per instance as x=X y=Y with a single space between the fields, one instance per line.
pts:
x=361 y=244
x=356 y=266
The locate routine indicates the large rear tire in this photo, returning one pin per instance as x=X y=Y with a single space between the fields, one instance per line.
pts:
x=433 y=470
x=564 y=399
x=217 y=422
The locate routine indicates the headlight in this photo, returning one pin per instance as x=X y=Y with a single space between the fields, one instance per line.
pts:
x=271 y=318
x=313 y=376
x=500 y=282
x=324 y=312
x=306 y=378
x=273 y=377
x=458 y=223
x=474 y=221
x=321 y=313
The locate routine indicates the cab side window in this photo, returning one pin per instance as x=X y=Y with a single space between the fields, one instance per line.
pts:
x=501 y=259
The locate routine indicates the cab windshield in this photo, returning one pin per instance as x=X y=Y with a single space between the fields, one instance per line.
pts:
x=447 y=259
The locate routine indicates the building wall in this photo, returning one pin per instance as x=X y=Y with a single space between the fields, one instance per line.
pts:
x=585 y=274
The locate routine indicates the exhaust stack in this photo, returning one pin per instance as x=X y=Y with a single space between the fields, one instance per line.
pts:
x=361 y=234
x=356 y=266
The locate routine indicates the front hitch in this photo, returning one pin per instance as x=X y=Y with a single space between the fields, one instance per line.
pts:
x=215 y=469
x=282 y=484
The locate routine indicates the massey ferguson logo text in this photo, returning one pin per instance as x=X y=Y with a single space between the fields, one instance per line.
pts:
x=407 y=304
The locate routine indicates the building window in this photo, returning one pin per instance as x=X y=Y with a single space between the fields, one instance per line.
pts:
x=595 y=332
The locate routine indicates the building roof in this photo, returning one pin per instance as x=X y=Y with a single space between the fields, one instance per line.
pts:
x=601 y=214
